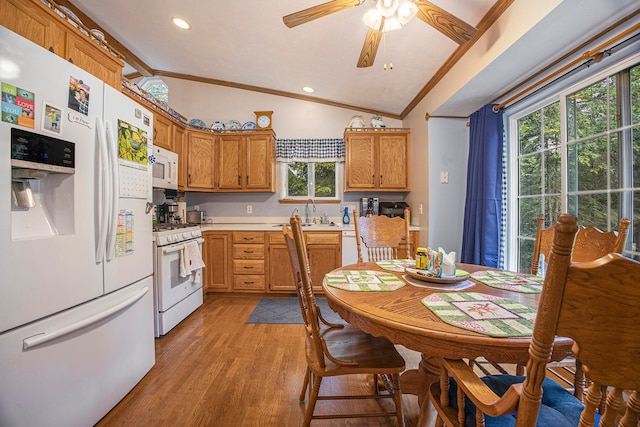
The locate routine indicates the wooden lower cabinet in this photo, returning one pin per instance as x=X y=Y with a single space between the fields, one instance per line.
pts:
x=280 y=272
x=324 y=250
x=257 y=261
x=248 y=258
x=215 y=251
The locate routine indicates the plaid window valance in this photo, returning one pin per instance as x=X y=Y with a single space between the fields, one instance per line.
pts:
x=310 y=150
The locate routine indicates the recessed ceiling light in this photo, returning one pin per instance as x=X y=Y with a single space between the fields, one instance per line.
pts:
x=308 y=89
x=181 y=23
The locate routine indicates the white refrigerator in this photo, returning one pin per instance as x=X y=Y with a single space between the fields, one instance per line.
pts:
x=76 y=294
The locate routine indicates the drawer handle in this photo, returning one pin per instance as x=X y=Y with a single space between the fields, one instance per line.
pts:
x=248 y=238
x=248 y=252
x=248 y=267
x=248 y=283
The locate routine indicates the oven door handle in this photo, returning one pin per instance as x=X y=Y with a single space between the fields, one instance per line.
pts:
x=178 y=248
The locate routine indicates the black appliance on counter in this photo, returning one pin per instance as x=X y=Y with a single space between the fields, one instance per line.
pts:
x=393 y=209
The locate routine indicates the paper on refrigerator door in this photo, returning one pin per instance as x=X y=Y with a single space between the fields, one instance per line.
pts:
x=133 y=163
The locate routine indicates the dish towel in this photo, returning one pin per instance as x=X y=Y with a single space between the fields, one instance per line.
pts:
x=190 y=260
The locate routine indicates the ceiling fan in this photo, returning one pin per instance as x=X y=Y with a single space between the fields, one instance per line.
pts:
x=451 y=26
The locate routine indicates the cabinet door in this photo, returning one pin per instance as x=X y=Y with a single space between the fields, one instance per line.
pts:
x=258 y=163
x=162 y=132
x=216 y=258
x=280 y=271
x=178 y=142
x=230 y=171
x=200 y=149
x=360 y=162
x=322 y=259
x=97 y=61
x=31 y=22
x=393 y=163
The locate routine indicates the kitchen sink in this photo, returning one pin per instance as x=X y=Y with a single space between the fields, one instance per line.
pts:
x=333 y=224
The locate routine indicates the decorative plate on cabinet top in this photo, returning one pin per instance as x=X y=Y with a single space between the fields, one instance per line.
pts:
x=71 y=14
x=249 y=125
x=217 y=125
x=198 y=123
x=356 y=122
x=233 y=125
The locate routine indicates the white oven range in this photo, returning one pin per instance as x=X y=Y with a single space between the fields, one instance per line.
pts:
x=175 y=297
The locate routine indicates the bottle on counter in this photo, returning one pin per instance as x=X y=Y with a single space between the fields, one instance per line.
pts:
x=345 y=217
x=421 y=258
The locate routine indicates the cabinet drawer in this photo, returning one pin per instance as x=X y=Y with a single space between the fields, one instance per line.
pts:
x=322 y=238
x=276 y=239
x=248 y=237
x=248 y=282
x=248 y=251
x=248 y=266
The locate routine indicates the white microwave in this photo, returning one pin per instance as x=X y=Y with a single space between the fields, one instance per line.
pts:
x=165 y=168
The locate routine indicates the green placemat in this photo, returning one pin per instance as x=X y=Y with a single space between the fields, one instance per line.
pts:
x=485 y=314
x=363 y=280
x=510 y=281
x=396 y=264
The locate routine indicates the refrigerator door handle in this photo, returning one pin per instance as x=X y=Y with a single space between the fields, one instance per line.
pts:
x=112 y=147
x=102 y=191
x=44 y=338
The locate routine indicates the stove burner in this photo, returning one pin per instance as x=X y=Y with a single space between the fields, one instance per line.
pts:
x=165 y=227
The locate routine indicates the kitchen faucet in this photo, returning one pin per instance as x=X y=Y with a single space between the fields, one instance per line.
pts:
x=306 y=210
x=294 y=211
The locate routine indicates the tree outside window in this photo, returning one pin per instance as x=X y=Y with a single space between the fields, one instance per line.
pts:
x=602 y=153
x=311 y=180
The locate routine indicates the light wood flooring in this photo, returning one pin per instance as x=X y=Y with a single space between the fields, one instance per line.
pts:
x=215 y=370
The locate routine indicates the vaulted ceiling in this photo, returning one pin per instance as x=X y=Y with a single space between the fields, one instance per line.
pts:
x=246 y=44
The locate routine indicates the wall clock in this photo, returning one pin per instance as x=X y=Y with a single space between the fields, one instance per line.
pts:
x=263 y=119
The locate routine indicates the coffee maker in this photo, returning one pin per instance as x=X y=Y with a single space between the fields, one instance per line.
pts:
x=369 y=206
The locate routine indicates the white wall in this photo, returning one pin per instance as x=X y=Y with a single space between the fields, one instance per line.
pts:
x=448 y=153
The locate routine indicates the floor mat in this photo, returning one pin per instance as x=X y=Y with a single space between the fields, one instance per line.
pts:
x=287 y=311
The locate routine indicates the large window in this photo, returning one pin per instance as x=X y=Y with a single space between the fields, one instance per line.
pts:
x=580 y=153
x=311 y=180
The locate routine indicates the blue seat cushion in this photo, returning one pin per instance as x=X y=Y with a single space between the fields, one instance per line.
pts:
x=558 y=408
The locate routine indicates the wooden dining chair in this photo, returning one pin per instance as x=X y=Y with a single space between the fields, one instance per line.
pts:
x=382 y=237
x=336 y=351
x=590 y=244
x=597 y=304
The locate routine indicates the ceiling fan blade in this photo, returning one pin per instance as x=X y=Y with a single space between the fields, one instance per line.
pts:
x=454 y=28
x=319 y=11
x=370 y=47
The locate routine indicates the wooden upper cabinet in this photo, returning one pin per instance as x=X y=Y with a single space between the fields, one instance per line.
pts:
x=97 y=61
x=32 y=22
x=178 y=143
x=35 y=21
x=360 y=152
x=200 y=160
x=393 y=163
x=230 y=168
x=260 y=162
x=377 y=160
x=162 y=132
x=246 y=162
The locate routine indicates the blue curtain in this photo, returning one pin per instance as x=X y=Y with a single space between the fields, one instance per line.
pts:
x=482 y=212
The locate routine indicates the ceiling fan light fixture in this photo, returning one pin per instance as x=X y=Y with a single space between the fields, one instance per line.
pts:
x=406 y=12
x=372 y=18
x=391 y=24
x=387 y=8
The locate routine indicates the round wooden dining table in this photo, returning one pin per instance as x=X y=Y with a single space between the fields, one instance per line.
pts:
x=401 y=316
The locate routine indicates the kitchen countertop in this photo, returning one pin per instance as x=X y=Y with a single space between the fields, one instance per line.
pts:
x=275 y=224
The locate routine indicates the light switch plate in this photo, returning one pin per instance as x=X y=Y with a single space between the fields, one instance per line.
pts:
x=444 y=177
